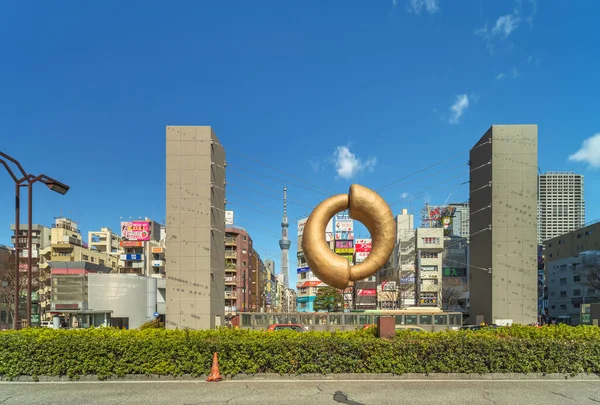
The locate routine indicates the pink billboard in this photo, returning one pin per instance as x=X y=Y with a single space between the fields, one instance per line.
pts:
x=135 y=230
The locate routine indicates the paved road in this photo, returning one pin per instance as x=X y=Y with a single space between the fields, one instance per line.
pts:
x=350 y=392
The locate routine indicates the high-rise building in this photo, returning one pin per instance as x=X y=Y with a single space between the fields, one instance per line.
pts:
x=503 y=220
x=284 y=242
x=238 y=276
x=195 y=205
x=561 y=204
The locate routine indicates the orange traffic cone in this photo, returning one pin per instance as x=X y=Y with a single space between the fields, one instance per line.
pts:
x=214 y=371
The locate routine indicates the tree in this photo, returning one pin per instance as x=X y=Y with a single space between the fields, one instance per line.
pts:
x=452 y=289
x=7 y=284
x=329 y=299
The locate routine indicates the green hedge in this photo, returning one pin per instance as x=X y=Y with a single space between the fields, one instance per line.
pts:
x=107 y=352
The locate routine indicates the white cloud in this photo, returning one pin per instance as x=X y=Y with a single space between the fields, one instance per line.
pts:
x=316 y=166
x=404 y=195
x=529 y=58
x=500 y=76
x=515 y=72
x=348 y=165
x=394 y=3
x=506 y=24
x=458 y=108
x=431 y=6
x=589 y=152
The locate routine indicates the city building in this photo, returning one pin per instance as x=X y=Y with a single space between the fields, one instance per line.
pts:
x=195 y=205
x=143 y=249
x=430 y=247
x=455 y=274
x=238 y=274
x=68 y=246
x=105 y=241
x=401 y=266
x=460 y=219
x=86 y=294
x=571 y=263
x=258 y=290
x=271 y=285
x=503 y=220
x=307 y=283
x=561 y=204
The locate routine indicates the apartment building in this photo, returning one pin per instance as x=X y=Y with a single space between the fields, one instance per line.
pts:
x=258 y=287
x=503 y=220
x=561 y=204
x=104 y=241
x=195 y=205
x=571 y=272
x=68 y=246
x=238 y=270
x=430 y=247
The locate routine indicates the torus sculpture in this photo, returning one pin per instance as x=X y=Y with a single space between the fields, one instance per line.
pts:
x=365 y=206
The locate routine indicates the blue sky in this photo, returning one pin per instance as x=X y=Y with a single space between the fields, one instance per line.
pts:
x=330 y=93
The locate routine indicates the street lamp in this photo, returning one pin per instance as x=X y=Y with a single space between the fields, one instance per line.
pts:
x=27 y=180
x=55 y=186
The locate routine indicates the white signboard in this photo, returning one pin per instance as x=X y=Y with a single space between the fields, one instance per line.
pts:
x=360 y=256
x=228 y=217
x=344 y=226
x=301 y=224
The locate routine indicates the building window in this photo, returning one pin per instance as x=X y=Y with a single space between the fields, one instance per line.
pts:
x=563 y=306
x=429 y=255
x=563 y=281
x=244 y=238
x=244 y=264
x=576 y=279
x=563 y=293
x=576 y=293
x=244 y=251
x=85 y=258
x=101 y=262
x=431 y=241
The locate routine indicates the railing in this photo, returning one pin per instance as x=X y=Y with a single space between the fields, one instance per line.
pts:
x=230 y=253
x=230 y=240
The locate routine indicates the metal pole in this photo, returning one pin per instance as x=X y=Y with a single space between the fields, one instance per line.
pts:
x=29 y=249
x=17 y=230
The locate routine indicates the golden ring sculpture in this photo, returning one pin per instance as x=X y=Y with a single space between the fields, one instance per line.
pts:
x=365 y=206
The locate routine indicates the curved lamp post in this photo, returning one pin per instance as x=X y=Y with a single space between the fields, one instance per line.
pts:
x=27 y=180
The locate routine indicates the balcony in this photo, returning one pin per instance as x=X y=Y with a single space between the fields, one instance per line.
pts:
x=230 y=280
x=232 y=254
x=230 y=295
x=230 y=241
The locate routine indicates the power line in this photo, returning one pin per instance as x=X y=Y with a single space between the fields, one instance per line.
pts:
x=280 y=171
x=418 y=171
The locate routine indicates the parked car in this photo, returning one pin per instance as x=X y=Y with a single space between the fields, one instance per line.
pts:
x=285 y=326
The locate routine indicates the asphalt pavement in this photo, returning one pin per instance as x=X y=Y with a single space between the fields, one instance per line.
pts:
x=305 y=392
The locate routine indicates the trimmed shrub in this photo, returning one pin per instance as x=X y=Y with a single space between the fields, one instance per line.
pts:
x=107 y=352
x=157 y=324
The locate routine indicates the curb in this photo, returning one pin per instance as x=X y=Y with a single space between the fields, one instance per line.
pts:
x=320 y=377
